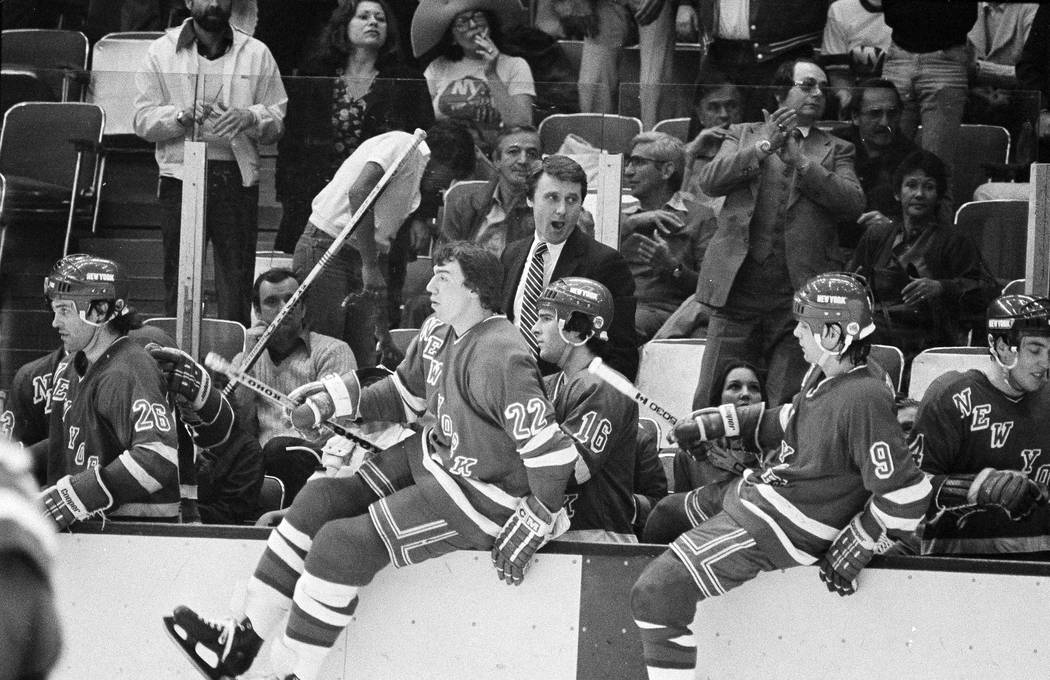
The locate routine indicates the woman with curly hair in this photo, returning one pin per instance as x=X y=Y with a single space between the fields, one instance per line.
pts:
x=357 y=88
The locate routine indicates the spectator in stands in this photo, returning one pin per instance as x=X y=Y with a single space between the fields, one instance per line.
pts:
x=748 y=42
x=787 y=185
x=925 y=277
x=348 y=299
x=702 y=475
x=234 y=101
x=665 y=233
x=357 y=88
x=558 y=249
x=1033 y=73
x=716 y=107
x=496 y=213
x=469 y=76
x=294 y=356
x=856 y=38
x=928 y=62
x=599 y=62
x=876 y=136
x=573 y=314
x=980 y=434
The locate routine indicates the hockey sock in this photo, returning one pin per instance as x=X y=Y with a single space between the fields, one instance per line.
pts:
x=321 y=610
x=668 y=520
x=269 y=596
x=663 y=603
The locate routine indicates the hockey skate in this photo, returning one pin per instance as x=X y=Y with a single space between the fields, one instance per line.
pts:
x=219 y=648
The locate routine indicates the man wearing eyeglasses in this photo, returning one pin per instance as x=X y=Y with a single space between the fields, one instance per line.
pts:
x=497 y=213
x=663 y=234
x=787 y=185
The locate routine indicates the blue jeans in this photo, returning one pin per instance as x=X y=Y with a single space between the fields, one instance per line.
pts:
x=933 y=88
x=231 y=223
x=340 y=281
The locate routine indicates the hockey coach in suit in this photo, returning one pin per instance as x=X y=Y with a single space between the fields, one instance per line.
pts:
x=556 y=189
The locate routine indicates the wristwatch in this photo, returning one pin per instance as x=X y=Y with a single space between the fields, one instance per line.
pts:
x=765 y=146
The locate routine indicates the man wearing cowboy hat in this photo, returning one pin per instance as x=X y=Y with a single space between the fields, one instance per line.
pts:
x=207 y=80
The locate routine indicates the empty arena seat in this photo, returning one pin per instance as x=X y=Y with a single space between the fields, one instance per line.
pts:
x=605 y=131
x=676 y=127
x=58 y=57
x=225 y=338
x=936 y=361
x=891 y=359
x=667 y=373
x=115 y=59
x=983 y=145
x=999 y=229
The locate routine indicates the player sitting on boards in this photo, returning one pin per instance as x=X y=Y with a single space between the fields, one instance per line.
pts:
x=985 y=437
x=572 y=315
x=489 y=474
x=841 y=481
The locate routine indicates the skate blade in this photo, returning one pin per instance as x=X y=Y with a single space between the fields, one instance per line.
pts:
x=189 y=648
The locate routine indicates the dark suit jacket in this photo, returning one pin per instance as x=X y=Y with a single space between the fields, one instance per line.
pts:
x=583 y=256
x=826 y=193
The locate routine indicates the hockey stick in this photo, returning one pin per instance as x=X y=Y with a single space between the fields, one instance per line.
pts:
x=624 y=386
x=366 y=205
x=239 y=377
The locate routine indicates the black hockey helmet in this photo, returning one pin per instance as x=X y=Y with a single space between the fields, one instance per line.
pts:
x=86 y=279
x=589 y=300
x=1012 y=316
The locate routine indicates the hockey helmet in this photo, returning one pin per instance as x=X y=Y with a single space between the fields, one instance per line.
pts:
x=585 y=297
x=85 y=279
x=1017 y=315
x=836 y=297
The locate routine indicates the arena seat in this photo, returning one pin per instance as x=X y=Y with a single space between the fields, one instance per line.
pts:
x=936 y=361
x=1015 y=287
x=225 y=338
x=270 y=259
x=49 y=157
x=59 y=57
x=606 y=131
x=984 y=145
x=891 y=359
x=271 y=494
x=452 y=192
x=668 y=372
x=999 y=229
x=115 y=59
x=676 y=127
x=402 y=337
x=19 y=85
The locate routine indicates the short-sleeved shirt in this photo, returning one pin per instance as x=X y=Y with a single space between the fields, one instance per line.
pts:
x=331 y=207
x=459 y=88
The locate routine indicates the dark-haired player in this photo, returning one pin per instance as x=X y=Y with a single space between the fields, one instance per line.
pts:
x=112 y=436
x=984 y=435
x=490 y=473
x=573 y=314
x=841 y=481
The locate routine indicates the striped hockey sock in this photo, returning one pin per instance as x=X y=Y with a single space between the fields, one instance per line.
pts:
x=321 y=610
x=670 y=651
x=270 y=590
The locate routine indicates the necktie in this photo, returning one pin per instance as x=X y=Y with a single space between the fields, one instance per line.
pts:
x=533 y=288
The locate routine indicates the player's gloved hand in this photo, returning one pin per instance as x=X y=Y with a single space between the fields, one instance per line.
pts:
x=729 y=458
x=1012 y=490
x=332 y=395
x=527 y=530
x=74 y=498
x=187 y=380
x=706 y=425
x=849 y=553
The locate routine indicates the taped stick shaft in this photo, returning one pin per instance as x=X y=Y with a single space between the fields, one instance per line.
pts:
x=626 y=387
x=253 y=354
x=239 y=377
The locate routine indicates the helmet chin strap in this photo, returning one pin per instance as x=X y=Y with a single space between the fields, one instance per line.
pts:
x=569 y=344
x=995 y=355
x=827 y=354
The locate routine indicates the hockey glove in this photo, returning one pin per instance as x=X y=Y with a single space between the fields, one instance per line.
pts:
x=730 y=458
x=850 y=552
x=74 y=498
x=187 y=380
x=332 y=395
x=1010 y=490
x=527 y=530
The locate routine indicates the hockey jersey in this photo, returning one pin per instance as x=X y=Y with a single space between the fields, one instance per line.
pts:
x=604 y=424
x=113 y=414
x=841 y=450
x=963 y=425
x=24 y=419
x=495 y=438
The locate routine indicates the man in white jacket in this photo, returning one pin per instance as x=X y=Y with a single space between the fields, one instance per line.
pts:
x=206 y=80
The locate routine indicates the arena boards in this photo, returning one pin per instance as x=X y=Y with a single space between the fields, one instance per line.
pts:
x=451 y=618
